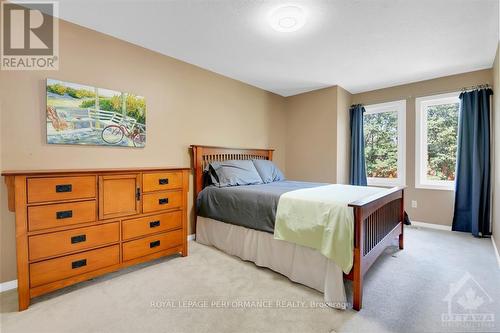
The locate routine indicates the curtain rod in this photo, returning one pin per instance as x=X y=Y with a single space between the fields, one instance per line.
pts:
x=463 y=89
x=476 y=87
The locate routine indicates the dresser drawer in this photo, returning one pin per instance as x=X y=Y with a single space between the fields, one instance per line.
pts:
x=151 y=224
x=144 y=246
x=61 y=242
x=157 y=201
x=158 y=181
x=57 y=215
x=61 y=268
x=61 y=188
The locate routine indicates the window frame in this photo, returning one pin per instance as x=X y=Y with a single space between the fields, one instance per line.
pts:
x=400 y=108
x=421 y=152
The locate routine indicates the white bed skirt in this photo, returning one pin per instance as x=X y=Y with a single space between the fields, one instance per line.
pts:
x=300 y=264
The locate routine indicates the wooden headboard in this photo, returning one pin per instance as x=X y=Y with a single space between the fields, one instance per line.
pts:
x=202 y=155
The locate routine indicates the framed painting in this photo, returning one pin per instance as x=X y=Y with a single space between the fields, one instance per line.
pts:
x=79 y=114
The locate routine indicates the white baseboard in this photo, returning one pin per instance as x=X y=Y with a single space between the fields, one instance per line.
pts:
x=9 y=285
x=496 y=251
x=431 y=225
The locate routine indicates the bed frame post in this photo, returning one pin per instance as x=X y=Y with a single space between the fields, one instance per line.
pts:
x=198 y=172
x=197 y=177
x=357 y=297
x=402 y=219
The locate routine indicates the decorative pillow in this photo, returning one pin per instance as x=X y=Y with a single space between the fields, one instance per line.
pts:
x=235 y=172
x=268 y=171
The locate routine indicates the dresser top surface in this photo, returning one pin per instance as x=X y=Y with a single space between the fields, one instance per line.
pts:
x=87 y=171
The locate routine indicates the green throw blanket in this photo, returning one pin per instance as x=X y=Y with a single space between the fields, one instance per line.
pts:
x=320 y=218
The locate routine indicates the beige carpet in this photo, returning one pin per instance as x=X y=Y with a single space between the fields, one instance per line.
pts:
x=210 y=291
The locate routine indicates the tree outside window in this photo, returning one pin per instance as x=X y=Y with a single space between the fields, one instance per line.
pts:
x=436 y=141
x=384 y=143
x=381 y=144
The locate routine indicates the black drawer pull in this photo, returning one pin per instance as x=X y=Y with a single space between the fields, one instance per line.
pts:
x=154 y=244
x=78 y=239
x=64 y=188
x=163 y=201
x=79 y=263
x=154 y=224
x=65 y=214
x=163 y=181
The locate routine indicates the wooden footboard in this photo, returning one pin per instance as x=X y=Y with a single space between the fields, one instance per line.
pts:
x=377 y=221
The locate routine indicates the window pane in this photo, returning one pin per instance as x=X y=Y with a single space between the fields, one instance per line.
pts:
x=381 y=144
x=442 y=126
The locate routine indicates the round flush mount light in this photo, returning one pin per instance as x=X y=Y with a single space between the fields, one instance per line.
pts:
x=287 y=18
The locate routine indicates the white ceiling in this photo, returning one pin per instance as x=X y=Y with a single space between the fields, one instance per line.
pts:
x=360 y=45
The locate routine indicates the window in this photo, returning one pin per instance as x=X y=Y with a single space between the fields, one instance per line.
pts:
x=384 y=130
x=436 y=141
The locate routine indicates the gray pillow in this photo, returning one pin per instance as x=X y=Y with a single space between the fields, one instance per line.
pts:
x=268 y=171
x=235 y=172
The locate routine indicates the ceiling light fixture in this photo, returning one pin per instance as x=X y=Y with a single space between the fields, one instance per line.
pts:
x=287 y=18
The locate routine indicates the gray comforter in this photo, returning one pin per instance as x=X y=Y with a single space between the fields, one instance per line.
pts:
x=250 y=206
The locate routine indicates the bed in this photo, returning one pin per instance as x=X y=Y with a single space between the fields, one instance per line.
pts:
x=378 y=220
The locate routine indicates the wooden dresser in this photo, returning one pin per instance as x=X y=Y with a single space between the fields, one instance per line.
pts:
x=73 y=225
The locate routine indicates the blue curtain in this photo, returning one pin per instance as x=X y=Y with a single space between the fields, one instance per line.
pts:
x=473 y=189
x=357 y=174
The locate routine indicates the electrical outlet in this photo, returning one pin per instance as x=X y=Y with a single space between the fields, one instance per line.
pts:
x=414 y=204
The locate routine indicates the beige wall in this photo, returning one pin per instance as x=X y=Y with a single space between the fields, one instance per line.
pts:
x=186 y=105
x=343 y=135
x=317 y=145
x=496 y=149
x=311 y=138
x=434 y=206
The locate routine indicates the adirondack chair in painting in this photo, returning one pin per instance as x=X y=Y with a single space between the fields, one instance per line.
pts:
x=58 y=123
